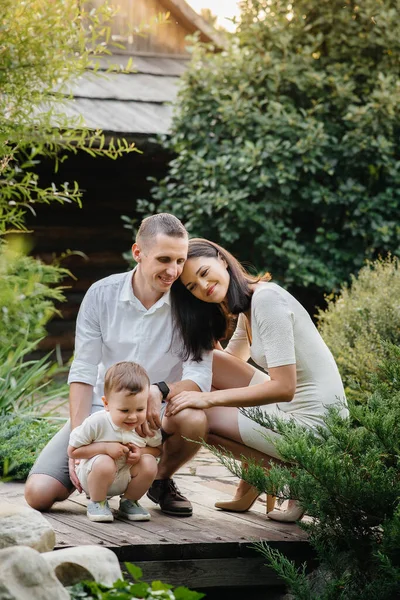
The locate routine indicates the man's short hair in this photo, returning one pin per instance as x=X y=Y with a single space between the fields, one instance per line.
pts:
x=126 y=375
x=163 y=223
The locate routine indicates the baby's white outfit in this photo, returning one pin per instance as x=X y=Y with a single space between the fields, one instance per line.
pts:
x=99 y=427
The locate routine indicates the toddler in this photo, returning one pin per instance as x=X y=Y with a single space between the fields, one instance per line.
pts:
x=114 y=459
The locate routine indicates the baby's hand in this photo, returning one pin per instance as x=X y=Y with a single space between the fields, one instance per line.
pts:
x=116 y=450
x=134 y=454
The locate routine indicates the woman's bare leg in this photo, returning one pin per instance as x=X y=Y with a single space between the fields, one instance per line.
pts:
x=230 y=371
x=240 y=451
x=225 y=435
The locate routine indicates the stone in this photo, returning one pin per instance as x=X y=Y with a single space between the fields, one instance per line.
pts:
x=72 y=565
x=25 y=575
x=24 y=526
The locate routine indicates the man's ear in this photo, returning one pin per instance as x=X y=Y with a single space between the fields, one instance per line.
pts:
x=105 y=402
x=136 y=252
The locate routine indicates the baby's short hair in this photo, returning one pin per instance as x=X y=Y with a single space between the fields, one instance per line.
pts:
x=126 y=375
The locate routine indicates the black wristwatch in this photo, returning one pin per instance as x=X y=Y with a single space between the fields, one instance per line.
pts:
x=164 y=389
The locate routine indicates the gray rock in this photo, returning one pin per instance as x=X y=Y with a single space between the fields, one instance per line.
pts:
x=25 y=575
x=24 y=526
x=72 y=565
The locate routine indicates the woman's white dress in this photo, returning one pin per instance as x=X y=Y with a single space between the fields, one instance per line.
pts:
x=283 y=333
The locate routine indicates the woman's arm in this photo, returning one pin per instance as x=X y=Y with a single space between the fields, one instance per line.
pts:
x=239 y=344
x=280 y=388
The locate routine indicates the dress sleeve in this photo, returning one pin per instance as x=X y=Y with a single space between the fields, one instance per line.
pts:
x=239 y=343
x=88 y=341
x=274 y=322
x=84 y=434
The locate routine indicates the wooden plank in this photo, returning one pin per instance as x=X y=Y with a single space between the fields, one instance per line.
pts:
x=158 y=64
x=171 y=529
x=162 y=529
x=210 y=549
x=83 y=233
x=210 y=524
x=207 y=526
x=247 y=521
x=204 y=573
x=93 y=259
x=114 y=535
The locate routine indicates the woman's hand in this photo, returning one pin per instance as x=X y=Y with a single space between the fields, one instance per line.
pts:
x=184 y=400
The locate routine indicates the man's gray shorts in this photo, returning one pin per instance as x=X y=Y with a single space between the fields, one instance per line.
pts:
x=53 y=460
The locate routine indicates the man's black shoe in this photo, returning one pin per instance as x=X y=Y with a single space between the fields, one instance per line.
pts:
x=165 y=493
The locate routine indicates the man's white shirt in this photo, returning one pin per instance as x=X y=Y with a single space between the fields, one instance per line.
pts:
x=114 y=326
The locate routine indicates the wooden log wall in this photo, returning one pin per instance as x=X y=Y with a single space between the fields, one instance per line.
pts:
x=110 y=189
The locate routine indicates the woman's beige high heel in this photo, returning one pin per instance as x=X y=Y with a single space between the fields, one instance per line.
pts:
x=244 y=503
x=293 y=513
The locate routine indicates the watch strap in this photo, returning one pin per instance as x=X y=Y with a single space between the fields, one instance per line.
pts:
x=164 y=389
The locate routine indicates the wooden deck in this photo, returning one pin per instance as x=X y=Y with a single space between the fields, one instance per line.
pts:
x=211 y=549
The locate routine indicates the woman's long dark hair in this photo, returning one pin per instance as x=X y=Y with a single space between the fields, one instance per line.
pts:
x=202 y=324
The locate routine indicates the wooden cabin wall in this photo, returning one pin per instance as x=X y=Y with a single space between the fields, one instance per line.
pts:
x=110 y=189
x=164 y=39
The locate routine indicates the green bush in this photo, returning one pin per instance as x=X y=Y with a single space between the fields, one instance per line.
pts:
x=355 y=323
x=347 y=478
x=27 y=385
x=21 y=440
x=125 y=590
x=286 y=143
x=27 y=295
x=28 y=291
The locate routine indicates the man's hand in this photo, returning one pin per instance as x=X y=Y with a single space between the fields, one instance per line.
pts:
x=184 y=400
x=72 y=473
x=153 y=421
x=116 y=450
x=134 y=454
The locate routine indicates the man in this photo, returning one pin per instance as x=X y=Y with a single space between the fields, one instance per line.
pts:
x=128 y=317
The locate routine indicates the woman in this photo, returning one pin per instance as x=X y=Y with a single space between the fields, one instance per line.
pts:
x=277 y=332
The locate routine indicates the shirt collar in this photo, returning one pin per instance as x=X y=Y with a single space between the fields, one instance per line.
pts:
x=113 y=425
x=127 y=295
